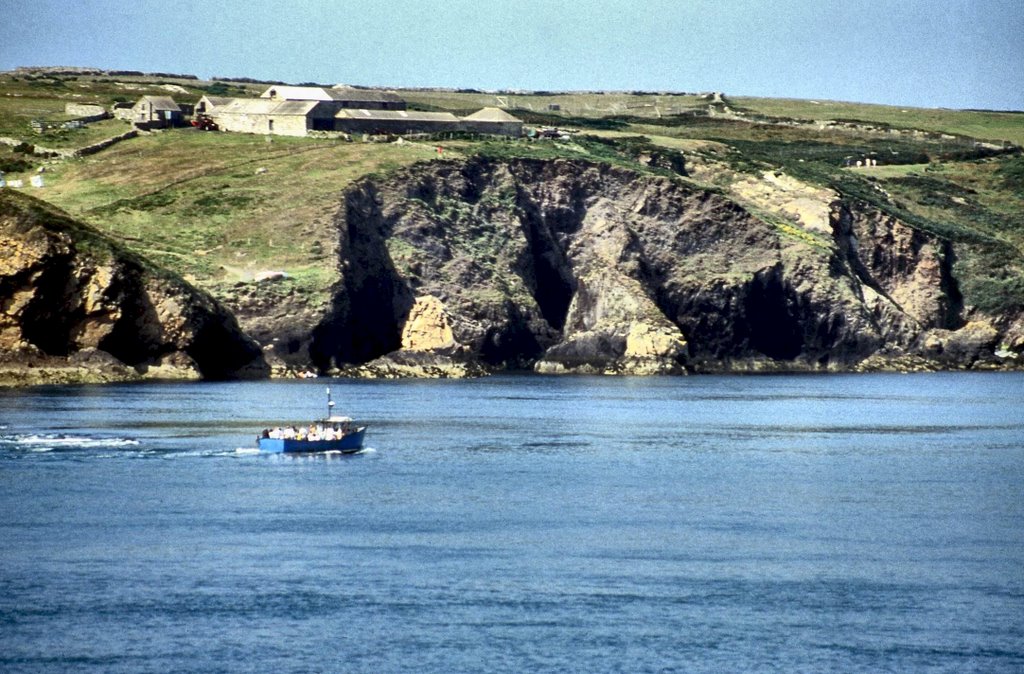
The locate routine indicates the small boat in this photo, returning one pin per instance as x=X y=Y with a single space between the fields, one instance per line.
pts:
x=331 y=434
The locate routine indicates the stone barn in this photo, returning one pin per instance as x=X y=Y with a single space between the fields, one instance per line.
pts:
x=394 y=122
x=493 y=121
x=156 y=112
x=271 y=117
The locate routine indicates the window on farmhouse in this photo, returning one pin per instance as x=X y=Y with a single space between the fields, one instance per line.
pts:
x=270 y=125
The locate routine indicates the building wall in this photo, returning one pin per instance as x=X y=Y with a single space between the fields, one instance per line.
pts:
x=290 y=125
x=514 y=129
x=286 y=125
x=393 y=126
x=144 y=114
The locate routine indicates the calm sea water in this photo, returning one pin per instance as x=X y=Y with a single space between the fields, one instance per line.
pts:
x=519 y=524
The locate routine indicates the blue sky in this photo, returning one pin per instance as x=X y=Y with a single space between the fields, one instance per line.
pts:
x=926 y=53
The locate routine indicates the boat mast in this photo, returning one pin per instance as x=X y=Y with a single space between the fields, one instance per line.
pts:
x=330 y=403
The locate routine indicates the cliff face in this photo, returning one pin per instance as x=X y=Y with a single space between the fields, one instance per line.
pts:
x=567 y=266
x=73 y=307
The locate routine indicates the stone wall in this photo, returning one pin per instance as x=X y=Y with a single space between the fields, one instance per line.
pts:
x=69 y=153
x=86 y=112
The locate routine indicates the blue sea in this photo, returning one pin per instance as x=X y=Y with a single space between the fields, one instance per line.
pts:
x=854 y=523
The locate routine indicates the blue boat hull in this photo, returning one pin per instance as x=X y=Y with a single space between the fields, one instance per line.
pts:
x=352 y=442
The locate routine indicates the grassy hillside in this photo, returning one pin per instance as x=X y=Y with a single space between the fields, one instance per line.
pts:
x=218 y=208
x=984 y=125
x=223 y=207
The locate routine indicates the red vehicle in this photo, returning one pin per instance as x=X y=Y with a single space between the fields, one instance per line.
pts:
x=204 y=123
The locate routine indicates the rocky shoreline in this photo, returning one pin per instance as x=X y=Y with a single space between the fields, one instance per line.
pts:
x=24 y=370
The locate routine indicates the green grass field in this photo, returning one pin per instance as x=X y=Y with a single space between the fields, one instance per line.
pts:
x=216 y=206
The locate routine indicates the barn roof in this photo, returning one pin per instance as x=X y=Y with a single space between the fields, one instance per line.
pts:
x=294 y=107
x=290 y=93
x=266 y=106
x=251 y=106
x=406 y=115
x=217 y=101
x=491 y=115
x=161 y=103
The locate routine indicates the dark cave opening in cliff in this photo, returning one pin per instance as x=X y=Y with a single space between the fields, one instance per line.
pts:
x=367 y=328
x=46 y=322
x=124 y=344
x=379 y=309
x=773 y=328
x=553 y=293
x=366 y=322
x=135 y=337
x=513 y=346
x=219 y=352
x=547 y=271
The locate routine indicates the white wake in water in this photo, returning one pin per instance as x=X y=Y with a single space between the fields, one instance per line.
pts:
x=49 y=442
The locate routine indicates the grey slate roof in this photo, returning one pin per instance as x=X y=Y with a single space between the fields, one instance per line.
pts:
x=294 y=107
x=266 y=106
x=406 y=115
x=161 y=103
x=351 y=94
x=217 y=101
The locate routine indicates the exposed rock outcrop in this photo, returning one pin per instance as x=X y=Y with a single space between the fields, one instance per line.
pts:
x=75 y=307
x=428 y=326
x=568 y=266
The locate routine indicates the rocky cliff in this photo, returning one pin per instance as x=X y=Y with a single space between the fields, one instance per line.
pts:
x=458 y=268
x=571 y=266
x=75 y=307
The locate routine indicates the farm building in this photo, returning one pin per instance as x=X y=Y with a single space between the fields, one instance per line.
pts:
x=156 y=112
x=396 y=122
x=267 y=116
x=493 y=121
x=345 y=97
x=207 y=104
x=272 y=114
